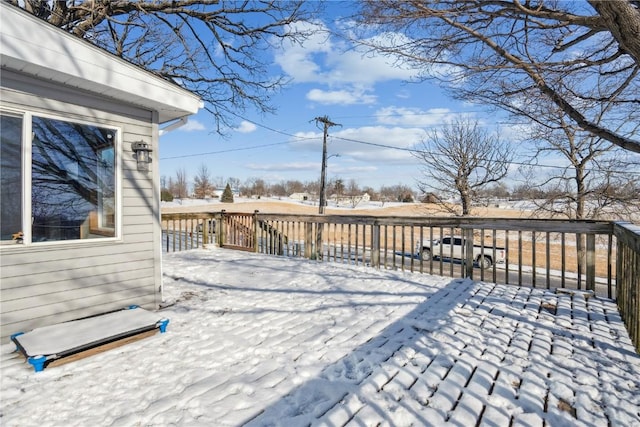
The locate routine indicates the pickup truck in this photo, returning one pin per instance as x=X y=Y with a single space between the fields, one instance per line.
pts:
x=452 y=247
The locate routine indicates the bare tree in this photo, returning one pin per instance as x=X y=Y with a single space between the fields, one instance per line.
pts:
x=219 y=182
x=396 y=193
x=256 y=187
x=353 y=189
x=575 y=54
x=180 y=188
x=165 y=192
x=496 y=191
x=294 y=186
x=337 y=187
x=354 y=193
x=459 y=160
x=279 y=189
x=202 y=185
x=210 y=47
x=313 y=187
x=234 y=183
x=597 y=182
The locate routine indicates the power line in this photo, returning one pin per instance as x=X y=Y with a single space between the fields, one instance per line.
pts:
x=512 y=162
x=373 y=144
x=230 y=150
x=412 y=150
x=260 y=124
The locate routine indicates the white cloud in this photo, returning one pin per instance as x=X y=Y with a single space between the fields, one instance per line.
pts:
x=403 y=94
x=192 y=126
x=392 y=145
x=320 y=59
x=357 y=67
x=347 y=170
x=299 y=60
x=367 y=144
x=379 y=137
x=246 y=127
x=403 y=116
x=341 y=97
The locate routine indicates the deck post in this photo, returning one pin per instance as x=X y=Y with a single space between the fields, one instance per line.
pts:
x=591 y=262
x=375 y=245
x=221 y=229
x=468 y=258
x=308 y=239
x=255 y=232
x=319 y=239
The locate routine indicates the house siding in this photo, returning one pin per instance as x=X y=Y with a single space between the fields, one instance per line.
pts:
x=47 y=283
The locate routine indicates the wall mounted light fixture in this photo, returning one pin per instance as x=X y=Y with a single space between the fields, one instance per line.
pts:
x=142 y=154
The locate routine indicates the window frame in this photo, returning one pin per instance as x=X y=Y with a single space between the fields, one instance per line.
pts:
x=10 y=112
x=27 y=147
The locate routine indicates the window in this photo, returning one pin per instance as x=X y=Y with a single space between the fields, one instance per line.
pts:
x=72 y=179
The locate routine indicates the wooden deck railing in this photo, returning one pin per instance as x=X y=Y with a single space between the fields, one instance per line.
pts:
x=628 y=277
x=593 y=256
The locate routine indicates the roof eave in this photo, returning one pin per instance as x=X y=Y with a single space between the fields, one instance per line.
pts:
x=32 y=47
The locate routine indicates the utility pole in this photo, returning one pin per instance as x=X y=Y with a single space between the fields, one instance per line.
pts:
x=326 y=123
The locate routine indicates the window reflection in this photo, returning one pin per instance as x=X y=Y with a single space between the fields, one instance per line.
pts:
x=73 y=181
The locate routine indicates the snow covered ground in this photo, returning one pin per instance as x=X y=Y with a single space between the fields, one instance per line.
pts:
x=269 y=341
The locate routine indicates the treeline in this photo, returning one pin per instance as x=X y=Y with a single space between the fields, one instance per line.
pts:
x=532 y=191
x=179 y=187
x=202 y=187
x=598 y=200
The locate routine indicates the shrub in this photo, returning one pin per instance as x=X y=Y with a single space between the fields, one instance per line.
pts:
x=166 y=196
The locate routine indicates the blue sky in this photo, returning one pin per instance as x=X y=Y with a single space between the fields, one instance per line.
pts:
x=367 y=95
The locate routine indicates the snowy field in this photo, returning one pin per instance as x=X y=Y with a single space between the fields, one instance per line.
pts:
x=267 y=341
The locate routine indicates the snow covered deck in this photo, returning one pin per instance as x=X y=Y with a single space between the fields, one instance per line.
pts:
x=258 y=340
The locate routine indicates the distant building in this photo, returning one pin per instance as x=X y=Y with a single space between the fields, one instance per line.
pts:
x=302 y=196
x=217 y=193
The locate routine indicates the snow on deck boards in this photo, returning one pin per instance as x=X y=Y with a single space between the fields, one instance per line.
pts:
x=62 y=337
x=260 y=341
x=482 y=365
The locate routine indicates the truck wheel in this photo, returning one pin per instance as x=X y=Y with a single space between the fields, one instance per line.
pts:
x=426 y=255
x=484 y=262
